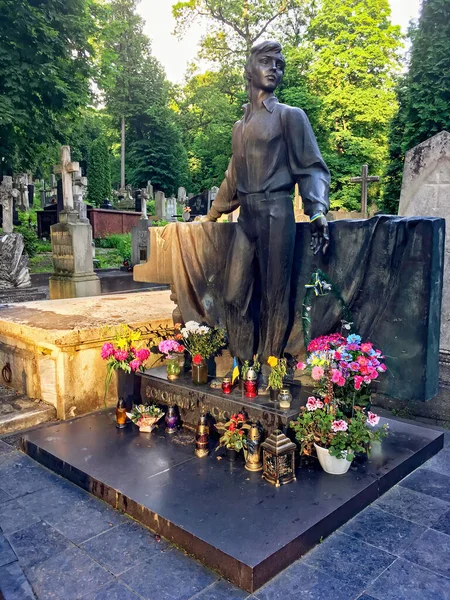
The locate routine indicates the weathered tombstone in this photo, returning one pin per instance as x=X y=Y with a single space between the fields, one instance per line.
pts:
x=43 y=194
x=160 y=205
x=181 y=196
x=71 y=243
x=150 y=190
x=426 y=192
x=14 y=271
x=30 y=193
x=22 y=186
x=140 y=239
x=7 y=195
x=171 y=209
x=79 y=188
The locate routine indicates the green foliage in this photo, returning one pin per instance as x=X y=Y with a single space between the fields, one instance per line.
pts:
x=46 y=61
x=234 y=26
x=118 y=241
x=353 y=61
x=30 y=239
x=99 y=172
x=423 y=94
x=428 y=79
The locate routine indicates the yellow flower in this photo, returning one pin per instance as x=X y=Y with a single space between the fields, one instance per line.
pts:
x=122 y=344
x=272 y=361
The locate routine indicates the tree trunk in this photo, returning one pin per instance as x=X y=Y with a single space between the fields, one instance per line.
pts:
x=122 y=156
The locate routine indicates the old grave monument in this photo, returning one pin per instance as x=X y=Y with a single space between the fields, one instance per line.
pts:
x=14 y=272
x=73 y=270
x=140 y=242
x=270 y=283
x=426 y=192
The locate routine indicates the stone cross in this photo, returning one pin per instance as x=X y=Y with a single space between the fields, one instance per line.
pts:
x=364 y=179
x=7 y=195
x=79 y=187
x=66 y=168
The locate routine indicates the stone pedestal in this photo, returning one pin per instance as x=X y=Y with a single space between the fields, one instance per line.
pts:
x=74 y=275
x=140 y=242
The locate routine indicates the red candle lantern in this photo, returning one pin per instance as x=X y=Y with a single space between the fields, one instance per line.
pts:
x=251 y=383
x=226 y=385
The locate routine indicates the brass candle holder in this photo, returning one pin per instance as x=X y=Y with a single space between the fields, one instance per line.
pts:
x=202 y=438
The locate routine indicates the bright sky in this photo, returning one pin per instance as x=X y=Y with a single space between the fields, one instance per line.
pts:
x=175 y=55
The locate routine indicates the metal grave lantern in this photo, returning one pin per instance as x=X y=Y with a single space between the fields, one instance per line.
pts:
x=278 y=459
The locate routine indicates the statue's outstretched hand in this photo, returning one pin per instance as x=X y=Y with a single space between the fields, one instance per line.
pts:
x=319 y=235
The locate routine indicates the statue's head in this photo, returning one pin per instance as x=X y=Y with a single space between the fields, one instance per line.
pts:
x=265 y=66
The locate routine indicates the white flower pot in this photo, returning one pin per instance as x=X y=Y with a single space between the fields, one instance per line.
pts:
x=331 y=464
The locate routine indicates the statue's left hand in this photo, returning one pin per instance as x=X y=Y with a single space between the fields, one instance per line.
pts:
x=319 y=235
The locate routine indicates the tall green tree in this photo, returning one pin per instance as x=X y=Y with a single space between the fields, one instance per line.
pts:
x=424 y=94
x=46 y=62
x=234 y=26
x=353 y=61
x=99 y=172
x=427 y=108
x=138 y=95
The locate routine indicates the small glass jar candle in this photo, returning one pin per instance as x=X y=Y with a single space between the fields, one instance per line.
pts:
x=226 y=385
x=121 y=414
x=285 y=398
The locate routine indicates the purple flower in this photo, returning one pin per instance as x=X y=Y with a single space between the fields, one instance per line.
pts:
x=354 y=366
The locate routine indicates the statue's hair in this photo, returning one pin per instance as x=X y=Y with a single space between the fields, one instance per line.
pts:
x=267 y=46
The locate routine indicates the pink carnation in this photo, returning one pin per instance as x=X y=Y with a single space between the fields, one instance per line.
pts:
x=135 y=364
x=143 y=354
x=301 y=366
x=372 y=419
x=107 y=350
x=382 y=368
x=317 y=373
x=340 y=425
x=121 y=354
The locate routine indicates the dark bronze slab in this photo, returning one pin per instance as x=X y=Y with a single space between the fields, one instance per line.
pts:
x=194 y=400
x=225 y=516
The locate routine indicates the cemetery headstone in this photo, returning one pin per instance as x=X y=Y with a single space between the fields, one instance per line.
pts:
x=79 y=189
x=150 y=190
x=31 y=194
x=73 y=270
x=181 y=196
x=199 y=204
x=14 y=272
x=426 y=192
x=160 y=205
x=22 y=186
x=171 y=209
x=140 y=239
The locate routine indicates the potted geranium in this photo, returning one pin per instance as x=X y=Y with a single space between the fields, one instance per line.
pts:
x=234 y=434
x=202 y=342
x=343 y=369
x=335 y=437
x=126 y=354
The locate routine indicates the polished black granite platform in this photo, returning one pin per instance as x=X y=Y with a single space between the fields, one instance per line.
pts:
x=193 y=400
x=227 y=517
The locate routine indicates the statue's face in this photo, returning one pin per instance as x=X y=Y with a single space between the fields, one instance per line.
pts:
x=267 y=71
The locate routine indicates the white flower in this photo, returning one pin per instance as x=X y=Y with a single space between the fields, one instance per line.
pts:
x=203 y=329
x=192 y=326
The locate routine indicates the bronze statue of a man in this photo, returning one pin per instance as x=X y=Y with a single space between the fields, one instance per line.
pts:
x=274 y=147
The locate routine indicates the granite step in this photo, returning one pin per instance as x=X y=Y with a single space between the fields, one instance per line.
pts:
x=18 y=412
